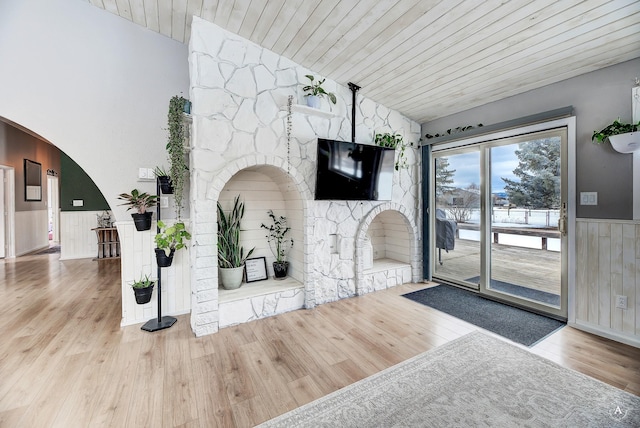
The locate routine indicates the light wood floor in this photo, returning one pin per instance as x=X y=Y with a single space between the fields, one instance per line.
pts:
x=65 y=361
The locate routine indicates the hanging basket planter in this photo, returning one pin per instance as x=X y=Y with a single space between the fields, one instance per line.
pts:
x=143 y=295
x=162 y=258
x=165 y=185
x=142 y=221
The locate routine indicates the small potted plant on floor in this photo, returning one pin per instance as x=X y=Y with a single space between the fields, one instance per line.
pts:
x=231 y=256
x=623 y=137
x=161 y=174
x=140 y=201
x=278 y=243
x=314 y=91
x=142 y=289
x=168 y=241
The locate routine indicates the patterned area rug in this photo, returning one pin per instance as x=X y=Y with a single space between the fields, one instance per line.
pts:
x=476 y=380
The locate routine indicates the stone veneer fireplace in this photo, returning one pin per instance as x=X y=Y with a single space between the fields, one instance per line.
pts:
x=239 y=146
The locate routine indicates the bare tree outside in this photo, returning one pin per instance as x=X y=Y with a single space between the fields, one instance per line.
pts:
x=464 y=202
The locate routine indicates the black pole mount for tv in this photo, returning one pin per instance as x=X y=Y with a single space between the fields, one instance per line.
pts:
x=354 y=88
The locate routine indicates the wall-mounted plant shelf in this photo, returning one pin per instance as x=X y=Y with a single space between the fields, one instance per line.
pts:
x=310 y=111
x=625 y=143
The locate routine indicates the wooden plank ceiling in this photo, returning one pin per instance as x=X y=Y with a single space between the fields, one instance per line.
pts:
x=424 y=58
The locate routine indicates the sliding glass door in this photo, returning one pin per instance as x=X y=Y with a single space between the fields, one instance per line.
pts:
x=457 y=216
x=500 y=219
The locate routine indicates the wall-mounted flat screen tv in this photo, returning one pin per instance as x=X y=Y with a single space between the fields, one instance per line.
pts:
x=353 y=172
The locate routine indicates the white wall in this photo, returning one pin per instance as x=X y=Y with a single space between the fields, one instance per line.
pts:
x=77 y=240
x=239 y=91
x=31 y=231
x=609 y=252
x=96 y=85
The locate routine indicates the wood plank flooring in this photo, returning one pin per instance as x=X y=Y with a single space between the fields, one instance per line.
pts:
x=66 y=362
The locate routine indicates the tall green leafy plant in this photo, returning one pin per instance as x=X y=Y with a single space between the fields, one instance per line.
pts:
x=230 y=252
x=176 y=150
x=278 y=243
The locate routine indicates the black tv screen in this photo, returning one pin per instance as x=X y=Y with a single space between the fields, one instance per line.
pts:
x=353 y=172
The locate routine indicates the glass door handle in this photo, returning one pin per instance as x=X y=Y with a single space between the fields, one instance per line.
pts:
x=562 y=221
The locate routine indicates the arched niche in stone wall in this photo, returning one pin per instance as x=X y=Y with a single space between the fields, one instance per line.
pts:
x=263 y=188
x=387 y=250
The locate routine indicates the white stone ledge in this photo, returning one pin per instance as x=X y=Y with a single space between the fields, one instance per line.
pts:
x=259 y=288
x=382 y=265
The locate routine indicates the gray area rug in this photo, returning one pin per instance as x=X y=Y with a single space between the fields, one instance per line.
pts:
x=476 y=380
x=515 y=324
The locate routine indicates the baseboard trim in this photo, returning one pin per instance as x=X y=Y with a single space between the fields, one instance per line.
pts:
x=607 y=334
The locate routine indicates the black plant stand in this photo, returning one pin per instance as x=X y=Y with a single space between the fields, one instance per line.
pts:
x=166 y=321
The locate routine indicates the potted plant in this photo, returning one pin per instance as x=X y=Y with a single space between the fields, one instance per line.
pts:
x=393 y=141
x=315 y=90
x=278 y=243
x=176 y=149
x=142 y=289
x=231 y=256
x=140 y=201
x=622 y=136
x=161 y=174
x=168 y=240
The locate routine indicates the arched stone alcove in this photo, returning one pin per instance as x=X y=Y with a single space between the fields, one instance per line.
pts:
x=263 y=183
x=394 y=239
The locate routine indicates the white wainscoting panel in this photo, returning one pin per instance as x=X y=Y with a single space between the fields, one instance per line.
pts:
x=138 y=259
x=32 y=231
x=77 y=240
x=608 y=265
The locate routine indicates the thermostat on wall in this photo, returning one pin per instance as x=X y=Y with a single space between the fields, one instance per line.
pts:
x=78 y=203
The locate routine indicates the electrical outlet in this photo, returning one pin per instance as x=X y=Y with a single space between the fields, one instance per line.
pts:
x=621 y=302
x=164 y=202
x=588 y=198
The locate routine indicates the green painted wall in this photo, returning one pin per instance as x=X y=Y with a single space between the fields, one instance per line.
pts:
x=76 y=184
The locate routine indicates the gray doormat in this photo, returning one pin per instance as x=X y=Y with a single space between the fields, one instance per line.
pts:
x=520 y=291
x=513 y=323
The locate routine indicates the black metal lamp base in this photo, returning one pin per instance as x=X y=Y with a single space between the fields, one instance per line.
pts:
x=154 y=325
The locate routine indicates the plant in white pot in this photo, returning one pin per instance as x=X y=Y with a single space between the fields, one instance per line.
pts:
x=623 y=137
x=278 y=243
x=314 y=91
x=231 y=255
x=140 y=201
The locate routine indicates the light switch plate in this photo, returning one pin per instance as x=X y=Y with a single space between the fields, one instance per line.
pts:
x=588 y=198
x=78 y=202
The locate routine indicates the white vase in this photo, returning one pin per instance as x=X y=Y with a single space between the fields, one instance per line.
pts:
x=313 y=101
x=231 y=278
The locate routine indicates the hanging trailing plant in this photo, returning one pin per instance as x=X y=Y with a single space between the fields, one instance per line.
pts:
x=394 y=141
x=452 y=131
x=176 y=150
x=289 y=105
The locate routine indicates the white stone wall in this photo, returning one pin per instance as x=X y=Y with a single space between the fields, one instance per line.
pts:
x=239 y=93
